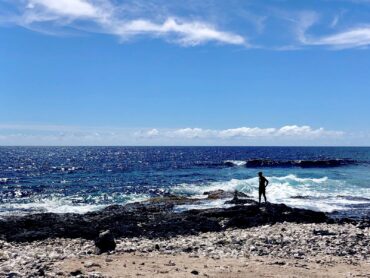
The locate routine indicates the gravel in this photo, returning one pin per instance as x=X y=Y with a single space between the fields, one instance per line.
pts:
x=319 y=243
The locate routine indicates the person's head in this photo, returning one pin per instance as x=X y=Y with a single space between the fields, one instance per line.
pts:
x=260 y=174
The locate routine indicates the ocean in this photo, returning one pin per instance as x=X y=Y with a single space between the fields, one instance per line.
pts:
x=82 y=179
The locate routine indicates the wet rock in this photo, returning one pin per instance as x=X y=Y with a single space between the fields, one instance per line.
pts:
x=239 y=201
x=221 y=194
x=105 y=242
x=170 y=201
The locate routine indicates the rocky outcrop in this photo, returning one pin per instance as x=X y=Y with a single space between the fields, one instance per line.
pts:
x=154 y=218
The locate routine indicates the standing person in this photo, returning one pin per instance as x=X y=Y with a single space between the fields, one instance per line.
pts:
x=263 y=182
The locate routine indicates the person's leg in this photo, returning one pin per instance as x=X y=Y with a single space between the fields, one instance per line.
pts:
x=259 y=197
x=264 y=196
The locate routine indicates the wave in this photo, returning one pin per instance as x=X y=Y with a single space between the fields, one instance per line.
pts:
x=235 y=163
x=67 y=204
x=319 y=194
x=4 y=180
x=254 y=163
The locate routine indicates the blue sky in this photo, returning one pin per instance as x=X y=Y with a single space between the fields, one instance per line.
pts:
x=104 y=72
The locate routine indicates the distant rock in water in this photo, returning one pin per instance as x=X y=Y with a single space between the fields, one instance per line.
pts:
x=301 y=197
x=254 y=163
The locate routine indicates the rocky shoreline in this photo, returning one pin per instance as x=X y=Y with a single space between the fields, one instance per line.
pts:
x=156 y=218
x=33 y=245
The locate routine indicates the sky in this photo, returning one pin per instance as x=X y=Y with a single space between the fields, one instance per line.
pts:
x=190 y=72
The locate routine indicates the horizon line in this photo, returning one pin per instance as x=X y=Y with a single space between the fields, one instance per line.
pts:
x=198 y=146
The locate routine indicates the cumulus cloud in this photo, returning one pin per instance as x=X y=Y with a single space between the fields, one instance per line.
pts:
x=245 y=132
x=292 y=131
x=289 y=130
x=152 y=132
x=73 y=135
x=190 y=133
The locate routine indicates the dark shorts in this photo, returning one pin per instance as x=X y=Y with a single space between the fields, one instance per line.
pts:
x=262 y=190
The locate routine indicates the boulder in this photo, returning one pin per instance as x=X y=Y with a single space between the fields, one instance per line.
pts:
x=105 y=242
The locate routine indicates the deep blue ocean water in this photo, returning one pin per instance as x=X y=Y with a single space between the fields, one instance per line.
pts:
x=81 y=179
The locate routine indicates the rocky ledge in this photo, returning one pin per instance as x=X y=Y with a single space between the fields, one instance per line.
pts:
x=156 y=218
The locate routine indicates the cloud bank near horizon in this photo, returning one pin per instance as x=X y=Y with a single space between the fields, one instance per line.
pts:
x=192 y=23
x=65 y=135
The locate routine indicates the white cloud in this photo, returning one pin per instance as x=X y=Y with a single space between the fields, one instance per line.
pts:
x=185 y=33
x=160 y=19
x=107 y=17
x=302 y=22
x=304 y=131
x=356 y=37
x=351 y=38
x=73 y=135
x=153 y=132
x=291 y=131
x=190 y=133
x=73 y=8
x=245 y=132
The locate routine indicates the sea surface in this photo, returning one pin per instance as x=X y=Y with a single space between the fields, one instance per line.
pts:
x=82 y=179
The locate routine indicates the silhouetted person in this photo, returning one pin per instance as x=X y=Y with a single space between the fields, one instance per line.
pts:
x=263 y=182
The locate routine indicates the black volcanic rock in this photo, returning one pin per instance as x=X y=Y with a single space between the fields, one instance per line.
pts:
x=105 y=242
x=240 y=201
x=152 y=219
x=272 y=213
x=222 y=194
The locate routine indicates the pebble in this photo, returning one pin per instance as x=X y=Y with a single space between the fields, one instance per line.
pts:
x=281 y=241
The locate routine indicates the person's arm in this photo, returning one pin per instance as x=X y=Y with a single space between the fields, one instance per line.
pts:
x=266 y=182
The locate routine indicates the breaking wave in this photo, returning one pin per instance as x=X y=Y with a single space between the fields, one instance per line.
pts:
x=235 y=163
x=321 y=194
x=66 y=204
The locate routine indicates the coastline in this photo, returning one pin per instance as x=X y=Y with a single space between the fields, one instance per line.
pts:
x=154 y=241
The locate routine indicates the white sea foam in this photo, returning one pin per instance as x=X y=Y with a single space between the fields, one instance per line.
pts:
x=319 y=194
x=236 y=162
x=4 y=180
x=203 y=205
x=70 y=204
x=322 y=194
